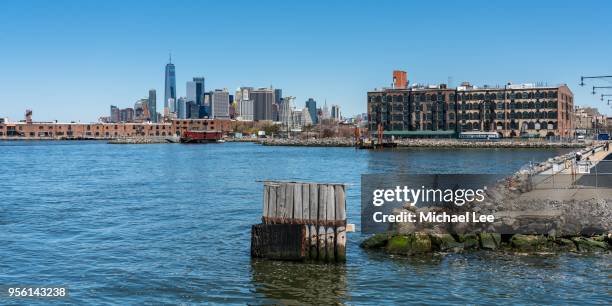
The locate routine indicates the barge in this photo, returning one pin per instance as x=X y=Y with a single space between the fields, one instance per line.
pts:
x=201 y=137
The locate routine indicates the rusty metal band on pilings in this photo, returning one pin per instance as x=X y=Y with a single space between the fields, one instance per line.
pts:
x=280 y=220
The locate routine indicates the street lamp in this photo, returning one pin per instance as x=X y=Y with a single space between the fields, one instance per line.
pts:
x=593 y=77
x=602 y=96
x=595 y=87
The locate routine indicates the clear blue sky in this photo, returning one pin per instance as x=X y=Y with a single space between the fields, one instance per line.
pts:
x=69 y=60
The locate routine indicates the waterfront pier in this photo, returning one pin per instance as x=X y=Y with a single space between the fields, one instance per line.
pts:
x=301 y=221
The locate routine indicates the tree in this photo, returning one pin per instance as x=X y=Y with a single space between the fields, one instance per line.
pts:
x=271 y=129
x=327 y=133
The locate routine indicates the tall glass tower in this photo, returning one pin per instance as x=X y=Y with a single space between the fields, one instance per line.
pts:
x=311 y=105
x=170 y=91
x=152 y=104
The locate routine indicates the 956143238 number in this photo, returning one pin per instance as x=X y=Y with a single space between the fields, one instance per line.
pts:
x=35 y=292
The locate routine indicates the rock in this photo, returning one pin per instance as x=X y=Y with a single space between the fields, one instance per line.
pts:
x=428 y=143
x=404 y=228
x=470 y=241
x=398 y=244
x=564 y=244
x=310 y=142
x=376 y=241
x=445 y=242
x=489 y=241
x=413 y=244
x=529 y=243
x=589 y=245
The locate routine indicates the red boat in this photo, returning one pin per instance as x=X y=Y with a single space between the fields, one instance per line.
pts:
x=201 y=136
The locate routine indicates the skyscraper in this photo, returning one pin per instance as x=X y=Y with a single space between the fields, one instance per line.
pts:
x=325 y=111
x=245 y=105
x=335 y=113
x=220 y=104
x=192 y=110
x=190 y=90
x=114 y=114
x=311 y=105
x=181 y=108
x=263 y=98
x=199 y=90
x=278 y=96
x=306 y=117
x=195 y=90
x=152 y=103
x=245 y=109
x=206 y=111
x=285 y=111
x=172 y=105
x=170 y=90
x=126 y=115
x=139 y=110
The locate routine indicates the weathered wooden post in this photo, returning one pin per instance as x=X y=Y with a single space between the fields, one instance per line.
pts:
x=301 y=221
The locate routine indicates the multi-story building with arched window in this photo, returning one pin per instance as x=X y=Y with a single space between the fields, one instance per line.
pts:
x=523 y=110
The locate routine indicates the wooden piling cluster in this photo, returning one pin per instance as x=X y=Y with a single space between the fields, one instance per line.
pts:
x=301 y=221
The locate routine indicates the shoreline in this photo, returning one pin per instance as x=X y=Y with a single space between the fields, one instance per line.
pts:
x=518 y=203
x=344 y=142
x=426 y=143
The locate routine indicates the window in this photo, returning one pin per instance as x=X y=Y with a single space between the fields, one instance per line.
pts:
x=531 y=125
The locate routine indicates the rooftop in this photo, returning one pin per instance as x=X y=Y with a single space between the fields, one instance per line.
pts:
x=466 y=86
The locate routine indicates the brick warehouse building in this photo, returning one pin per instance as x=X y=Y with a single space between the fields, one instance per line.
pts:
x=438 y=111
x=53 y=130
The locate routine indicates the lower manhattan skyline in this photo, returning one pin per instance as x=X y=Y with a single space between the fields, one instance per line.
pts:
x=69 y=62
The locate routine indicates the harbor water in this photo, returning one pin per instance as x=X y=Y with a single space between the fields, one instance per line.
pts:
x=170 y=224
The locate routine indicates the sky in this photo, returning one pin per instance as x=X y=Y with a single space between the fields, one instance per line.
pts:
x=70 y=60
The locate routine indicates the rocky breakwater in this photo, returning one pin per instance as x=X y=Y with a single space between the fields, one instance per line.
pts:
x=145 y=140
x=310 y=142
x=243 y=139
x=527 y=219
x=457 y=143
x=421 y=143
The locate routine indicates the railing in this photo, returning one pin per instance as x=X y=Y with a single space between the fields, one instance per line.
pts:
x=576 y=175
